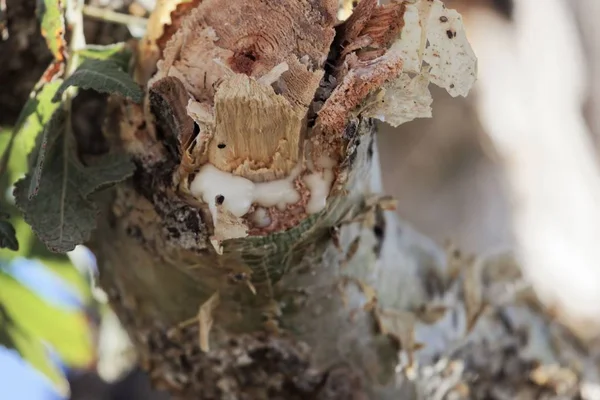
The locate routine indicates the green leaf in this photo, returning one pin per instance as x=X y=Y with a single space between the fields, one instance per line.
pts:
x=33 y=117
x=27 y=322
x=31 y=350
x=66 y=331
x=52 y=24
x=25 y=237
x=51 y=14
x=61 y=213
x=8 y=235
x=51 y=131
x=119 y=53
x=103 y=76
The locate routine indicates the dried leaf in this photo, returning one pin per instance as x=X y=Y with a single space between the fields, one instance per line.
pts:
x=401 y=326
x=105 y=76
x=52 y=22
x=473 y=292
x=205 y=320
x=352 y=249
x=61 y=214
x=431 y=313
x=560 y=379
x=52 y=25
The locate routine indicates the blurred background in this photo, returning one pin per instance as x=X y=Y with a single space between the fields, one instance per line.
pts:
x=513 y=166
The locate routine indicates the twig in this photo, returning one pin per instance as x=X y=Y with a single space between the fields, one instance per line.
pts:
x=108 y=15
x=74 y=18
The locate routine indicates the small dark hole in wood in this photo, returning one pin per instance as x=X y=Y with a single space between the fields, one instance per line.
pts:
x=196 y=129
x=219 y=199
x=378 y=231
x=238 y=276
x=221 y=145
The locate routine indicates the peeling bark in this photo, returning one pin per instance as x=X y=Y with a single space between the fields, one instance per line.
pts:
x=301 y=288
x=343 y=302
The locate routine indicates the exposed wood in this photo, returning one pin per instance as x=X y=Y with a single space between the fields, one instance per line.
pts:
x=335 y=302
x=258 y=134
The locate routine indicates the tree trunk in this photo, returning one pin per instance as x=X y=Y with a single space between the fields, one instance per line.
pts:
x=317 y=306
x=321 y=306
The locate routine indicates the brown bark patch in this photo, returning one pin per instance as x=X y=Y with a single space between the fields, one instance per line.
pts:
x=352 y=27
x=358 y=83
x=362 y=66
x=385 y=24
x=168 y=101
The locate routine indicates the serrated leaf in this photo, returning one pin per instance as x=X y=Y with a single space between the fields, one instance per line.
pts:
x=51 y=131
x=52 y=24
x=31 y=350
x=61 y=214
x=33 y=117
x=119 y=53
x=8 y=236
x=103 y=76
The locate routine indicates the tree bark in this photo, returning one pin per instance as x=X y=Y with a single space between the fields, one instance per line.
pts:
x=317 y=307
x=349 y=303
